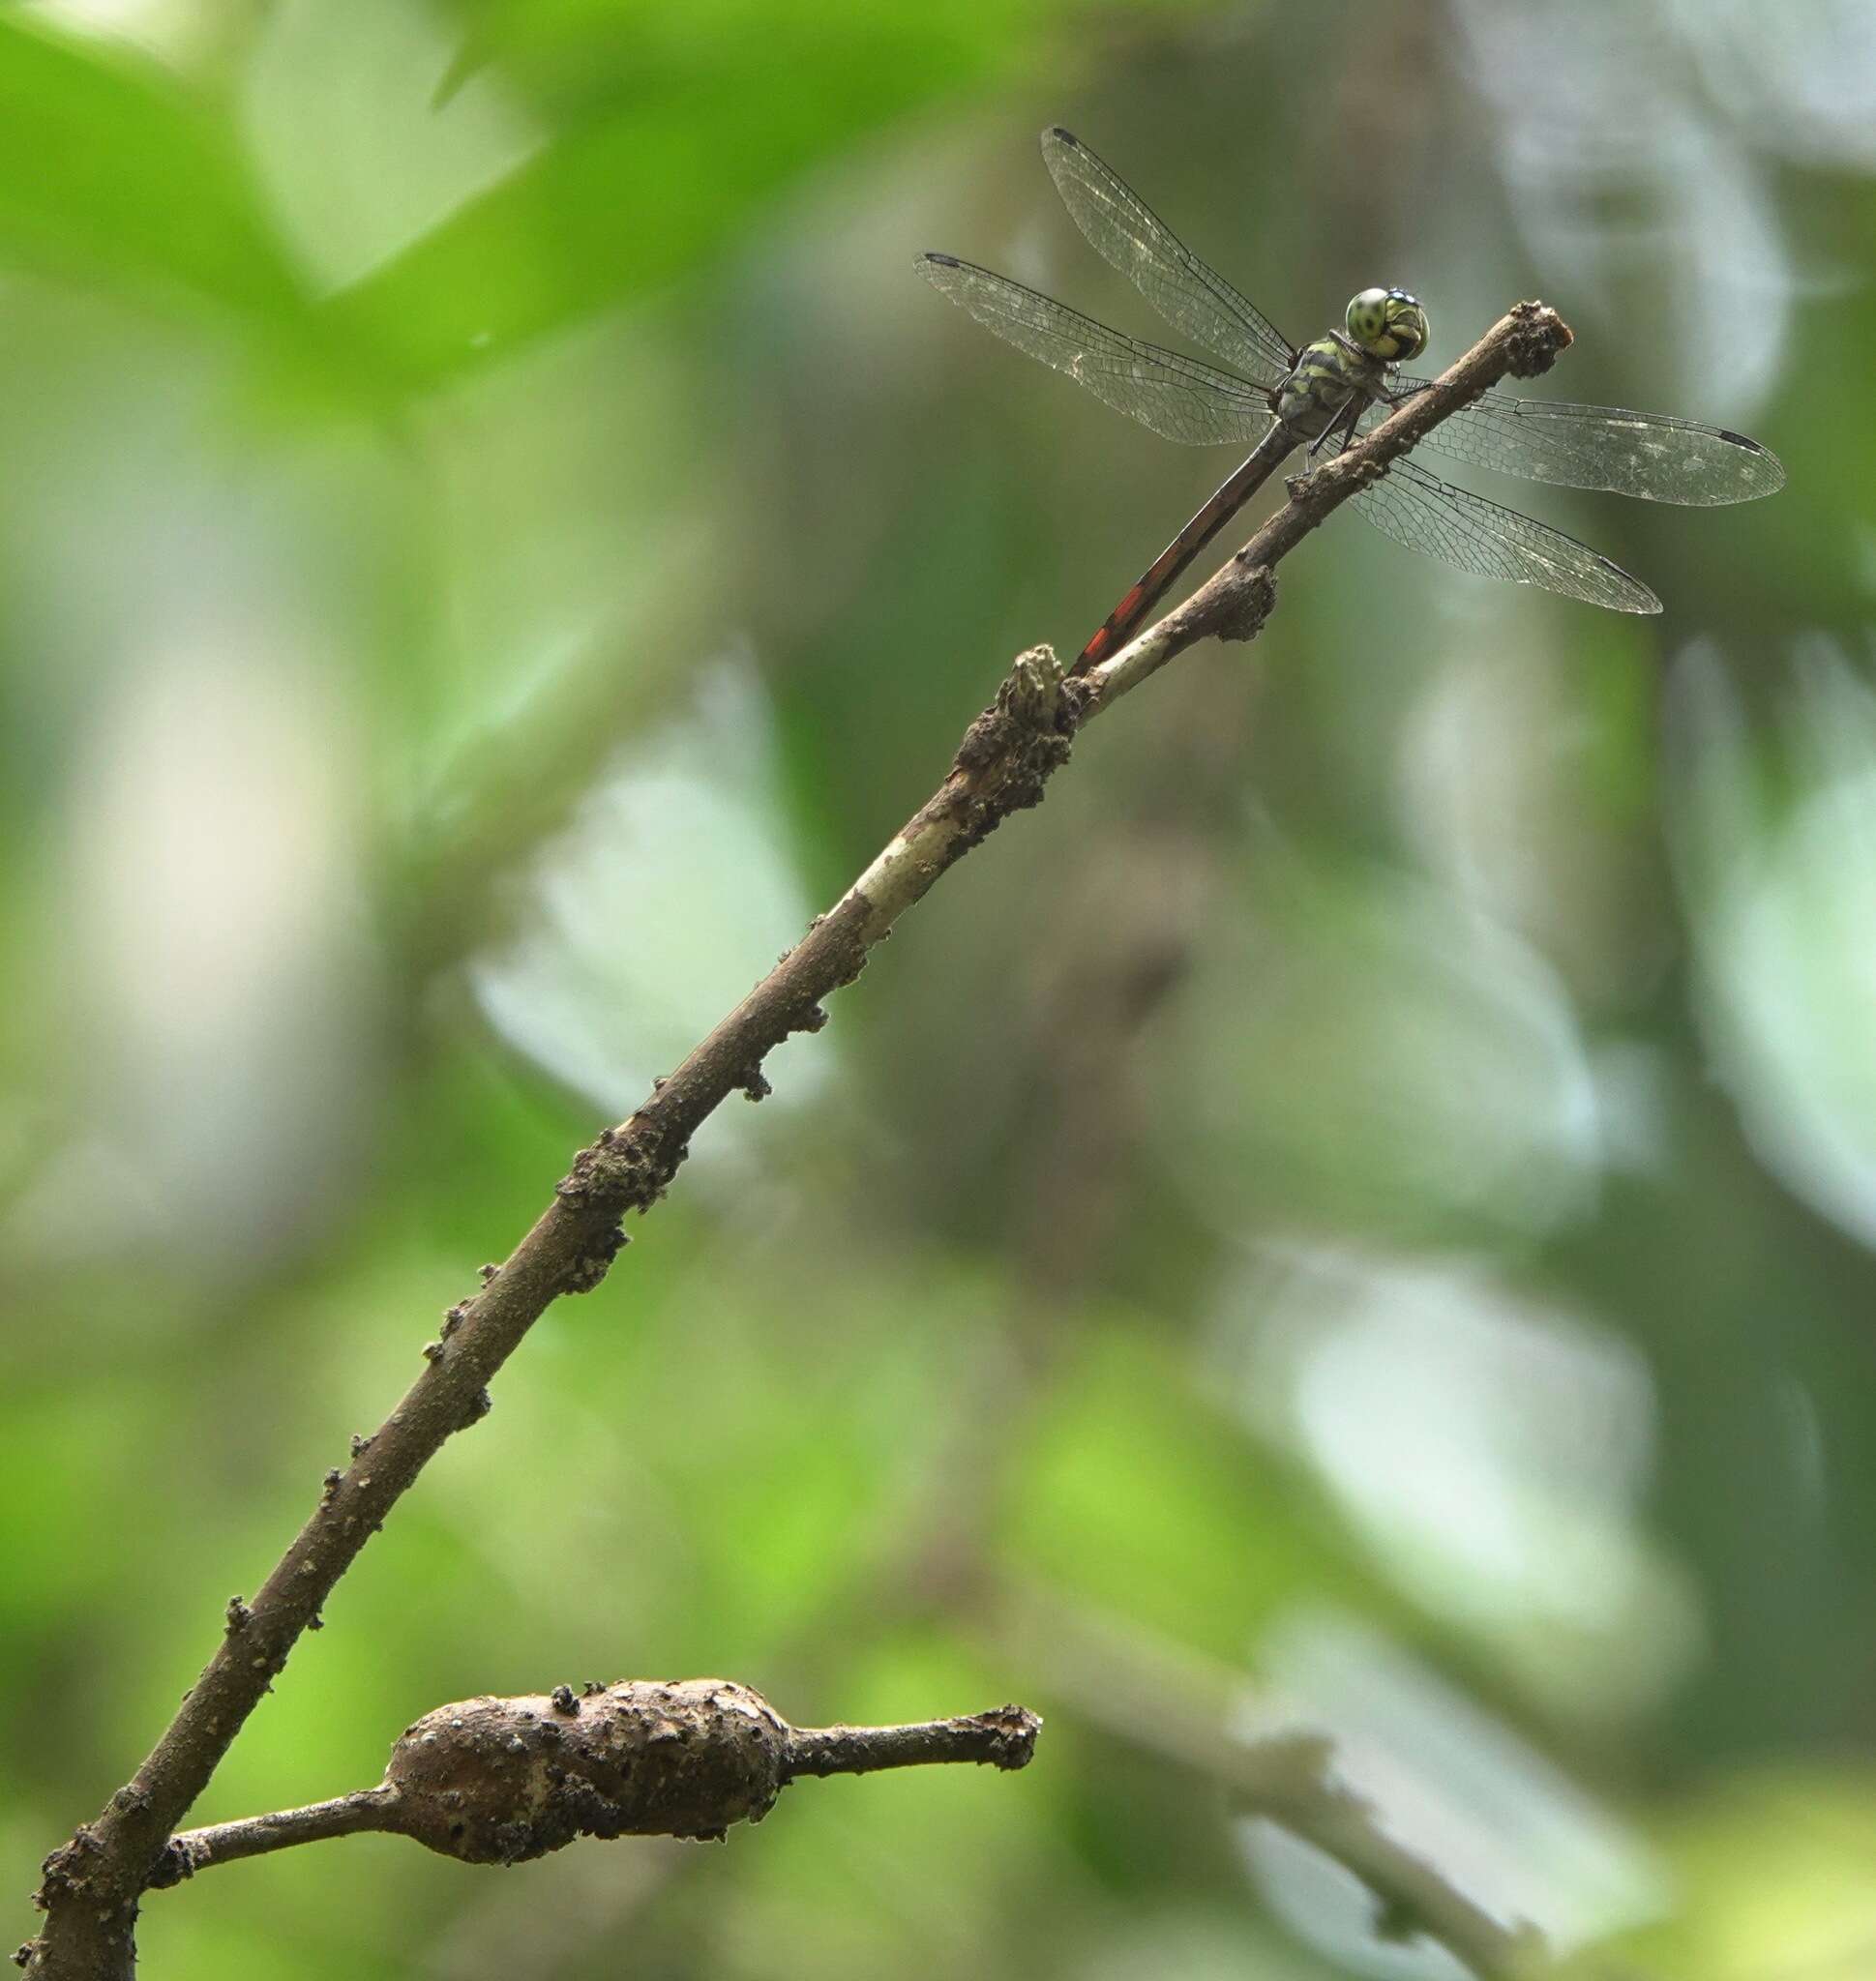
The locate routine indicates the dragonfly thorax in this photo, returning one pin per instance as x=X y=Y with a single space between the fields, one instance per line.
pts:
x=1388 y=324
x=1328 y=374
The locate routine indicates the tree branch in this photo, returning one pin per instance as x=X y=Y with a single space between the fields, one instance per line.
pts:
x=1290 y=1781
x=92 y=1883
x=1173 y=1703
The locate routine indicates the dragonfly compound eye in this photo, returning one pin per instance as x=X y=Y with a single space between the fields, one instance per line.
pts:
x=1388 y=323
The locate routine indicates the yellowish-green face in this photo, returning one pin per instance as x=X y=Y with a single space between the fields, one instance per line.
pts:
x=1388 y=324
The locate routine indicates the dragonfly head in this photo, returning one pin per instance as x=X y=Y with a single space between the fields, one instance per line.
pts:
x=1388 y=324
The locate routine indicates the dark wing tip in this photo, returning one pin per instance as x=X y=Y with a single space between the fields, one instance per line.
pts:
x=1773 y=467
x=1062 y=137
x=942 y=260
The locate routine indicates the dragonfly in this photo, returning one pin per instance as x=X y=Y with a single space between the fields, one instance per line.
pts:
x=1278 y=397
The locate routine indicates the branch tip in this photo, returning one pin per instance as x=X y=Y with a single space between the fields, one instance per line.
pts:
x=1002 y=1739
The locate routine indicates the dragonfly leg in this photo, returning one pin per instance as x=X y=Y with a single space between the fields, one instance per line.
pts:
x=1341 y=429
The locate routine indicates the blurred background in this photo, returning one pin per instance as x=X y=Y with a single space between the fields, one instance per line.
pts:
x=1357 y=1215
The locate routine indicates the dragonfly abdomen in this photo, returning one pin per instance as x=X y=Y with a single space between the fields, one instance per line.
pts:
x=1153 y=583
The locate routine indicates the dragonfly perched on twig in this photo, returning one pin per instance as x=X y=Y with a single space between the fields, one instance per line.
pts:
x=1282 y=398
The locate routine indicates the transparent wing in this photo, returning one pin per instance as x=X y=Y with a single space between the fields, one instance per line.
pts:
x=1652 y=455
x=1466 y=531
x=1191 y=297
x=1179 y=397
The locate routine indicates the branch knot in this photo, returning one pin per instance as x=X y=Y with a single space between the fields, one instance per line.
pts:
x=1242 y=616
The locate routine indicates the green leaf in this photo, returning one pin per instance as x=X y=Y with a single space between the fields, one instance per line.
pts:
x=109 y=172
x=631 y=199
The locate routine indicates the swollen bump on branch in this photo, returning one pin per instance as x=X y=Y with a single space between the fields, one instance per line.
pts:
x=1243 y=617
x=499 y=1780
x=1027 y=732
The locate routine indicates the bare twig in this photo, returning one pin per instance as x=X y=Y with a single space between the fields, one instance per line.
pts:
x=92 y=1883
x=1002 y=1739
x=1290 y=1781
x=253 y=1836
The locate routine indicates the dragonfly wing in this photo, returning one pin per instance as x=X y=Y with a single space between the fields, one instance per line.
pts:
x=1179 y=397
x=1191 y=296
x=1466 y=531
x=1652 y=455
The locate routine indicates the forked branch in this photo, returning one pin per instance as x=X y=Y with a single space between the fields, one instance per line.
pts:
x=93 y=1883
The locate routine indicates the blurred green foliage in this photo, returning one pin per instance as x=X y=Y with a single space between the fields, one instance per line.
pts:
x=1358 y=1213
